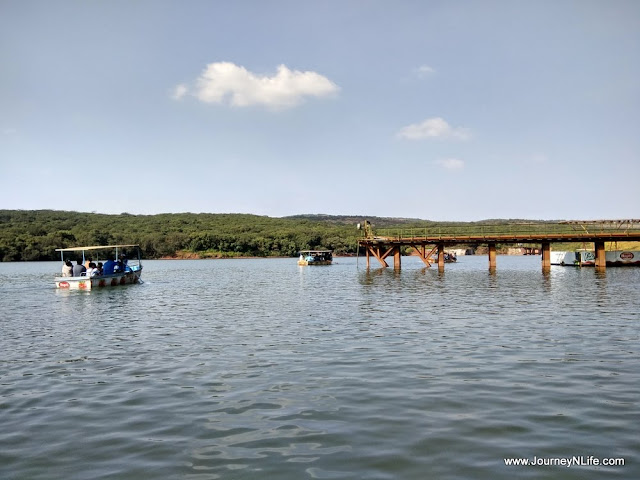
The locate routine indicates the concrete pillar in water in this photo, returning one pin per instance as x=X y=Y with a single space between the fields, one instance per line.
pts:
x=440 y=255
x=546 y=255
x=396 y=258
x=492 y=255
x=601 y=261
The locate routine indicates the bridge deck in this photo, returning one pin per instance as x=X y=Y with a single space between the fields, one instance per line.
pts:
x=452 y=239
x=387 y=242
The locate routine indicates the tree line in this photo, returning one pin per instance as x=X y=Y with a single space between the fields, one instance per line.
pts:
x=30 y=235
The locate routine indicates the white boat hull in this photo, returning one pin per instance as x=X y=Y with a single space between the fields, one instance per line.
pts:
x=89 y=283
x=588 y=258
x=623 y=258
x=314 y=262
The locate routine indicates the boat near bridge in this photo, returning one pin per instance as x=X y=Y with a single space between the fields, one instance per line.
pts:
x=449 y=257
x=587 y=258
x=118 y=268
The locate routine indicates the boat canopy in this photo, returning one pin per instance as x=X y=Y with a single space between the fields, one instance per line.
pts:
x=95 y=247
x=316 y=251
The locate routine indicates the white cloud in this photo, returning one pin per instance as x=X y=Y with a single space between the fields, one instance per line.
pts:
x=179 y=91
x=450 y=163
x=9 y=131
x=424 y=71
x=226 y=82
x=433 y=128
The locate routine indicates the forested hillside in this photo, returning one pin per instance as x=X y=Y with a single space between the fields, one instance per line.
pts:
x=35 y=234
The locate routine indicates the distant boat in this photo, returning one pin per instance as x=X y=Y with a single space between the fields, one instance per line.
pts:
x=123 y=271
x=315 y=257
x=587 y=258
x=449 y=257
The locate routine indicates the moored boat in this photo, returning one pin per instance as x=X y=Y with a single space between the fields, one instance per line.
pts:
x=587 y=258
x=117 y=270
x=620 y=258
x=315 y=257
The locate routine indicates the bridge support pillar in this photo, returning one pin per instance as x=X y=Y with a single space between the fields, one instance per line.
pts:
x=396 y=258
x=440 y=256
x=601 y=261
x=546 y=255
x=492 y=256
x=421 y=250
x=376 y=251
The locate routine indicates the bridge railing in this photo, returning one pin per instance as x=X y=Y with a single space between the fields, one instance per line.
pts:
x=513 y=229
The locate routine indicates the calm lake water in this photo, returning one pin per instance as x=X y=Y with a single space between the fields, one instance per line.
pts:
x=245 y=369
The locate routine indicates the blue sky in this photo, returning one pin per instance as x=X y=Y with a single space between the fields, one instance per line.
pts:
x=443 y=110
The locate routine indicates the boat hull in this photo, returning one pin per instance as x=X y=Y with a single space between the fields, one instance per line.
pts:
x=623 y=258
x=617 y=258
x=102 y=281
x=314 y=262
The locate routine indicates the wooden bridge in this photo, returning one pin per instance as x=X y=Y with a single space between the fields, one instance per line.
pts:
x=433 y=239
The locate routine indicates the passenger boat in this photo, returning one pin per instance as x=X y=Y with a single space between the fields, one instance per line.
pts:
x=587 y=258
x=449 y=257
x=121 y=271
x=315 y=257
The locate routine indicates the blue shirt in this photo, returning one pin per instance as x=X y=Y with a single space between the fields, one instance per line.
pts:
x=107 y=268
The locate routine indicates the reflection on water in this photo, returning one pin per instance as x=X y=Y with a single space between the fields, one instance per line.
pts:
x=263 y=369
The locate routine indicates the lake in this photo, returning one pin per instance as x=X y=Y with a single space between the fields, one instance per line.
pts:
x=259 y=368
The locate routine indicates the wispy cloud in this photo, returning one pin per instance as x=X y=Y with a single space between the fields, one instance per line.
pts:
x=179 y=91
x=228 y=83
x=9 y=131
x=450 y=163
x=433 y=128
x=424 y=71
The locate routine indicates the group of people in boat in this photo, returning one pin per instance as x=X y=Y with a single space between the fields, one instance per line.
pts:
x=91 y=269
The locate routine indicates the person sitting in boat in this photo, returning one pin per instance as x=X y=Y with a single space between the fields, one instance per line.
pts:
x=67 y=269
x=99 y=267
x=123 y=262
x=78 y=269
x=119 y=266
x=89 y=271
x=92 y=271
x=109 y=266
